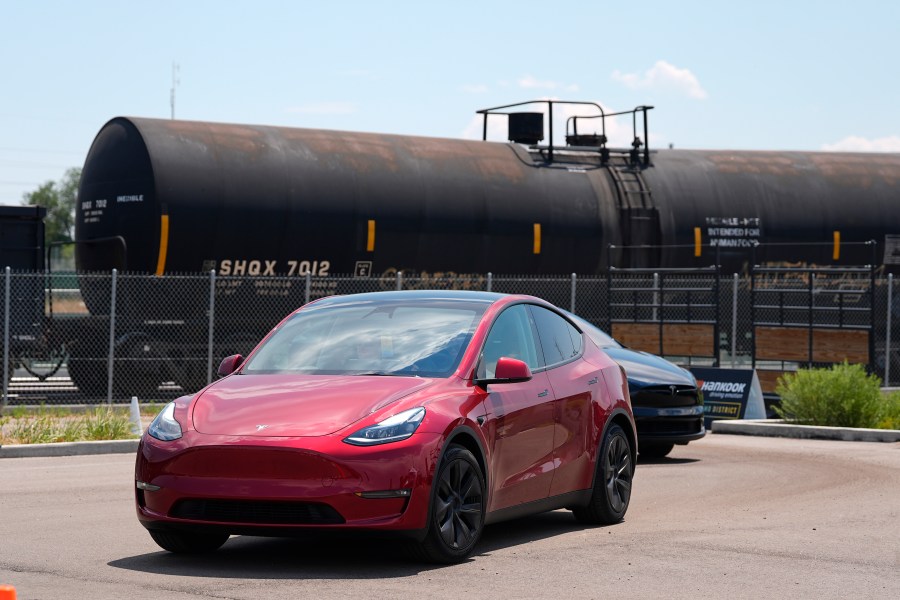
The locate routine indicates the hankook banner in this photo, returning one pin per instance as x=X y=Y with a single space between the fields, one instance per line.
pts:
x=729 y=394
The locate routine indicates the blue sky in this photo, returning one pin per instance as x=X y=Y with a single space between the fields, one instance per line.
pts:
x=753 y=75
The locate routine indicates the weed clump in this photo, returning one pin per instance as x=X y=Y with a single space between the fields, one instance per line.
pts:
x=843 y=395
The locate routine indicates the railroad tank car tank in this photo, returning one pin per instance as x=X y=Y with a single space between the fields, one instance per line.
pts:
x=162 y=196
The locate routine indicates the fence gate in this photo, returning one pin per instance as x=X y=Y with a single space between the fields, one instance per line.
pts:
x=810 y=316
x=669 y=312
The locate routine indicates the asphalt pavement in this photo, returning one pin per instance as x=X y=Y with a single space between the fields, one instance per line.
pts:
x=726 y=517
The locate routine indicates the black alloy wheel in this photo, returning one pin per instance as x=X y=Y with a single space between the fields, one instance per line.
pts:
x=612 y=483
x=457 y=510
x=617 y=473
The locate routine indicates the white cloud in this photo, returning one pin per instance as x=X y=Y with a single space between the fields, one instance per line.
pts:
x=324 y=108
x=529 y=82
x=662 y=76
x=855 y=143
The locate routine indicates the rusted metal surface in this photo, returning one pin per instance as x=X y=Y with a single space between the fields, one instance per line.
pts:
x=250 y=192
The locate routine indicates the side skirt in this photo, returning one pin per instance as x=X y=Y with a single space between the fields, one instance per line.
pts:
x=567 y=500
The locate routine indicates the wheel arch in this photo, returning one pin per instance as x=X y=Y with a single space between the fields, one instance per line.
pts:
x=466 y=437
x=621 y=418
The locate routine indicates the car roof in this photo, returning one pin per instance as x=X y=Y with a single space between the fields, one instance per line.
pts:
x=413 y=295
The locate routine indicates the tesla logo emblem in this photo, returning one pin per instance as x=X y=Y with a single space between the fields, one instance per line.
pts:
x=261 y=427
x=673 y=390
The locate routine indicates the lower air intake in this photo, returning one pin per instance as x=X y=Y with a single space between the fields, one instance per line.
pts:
x=259 y=513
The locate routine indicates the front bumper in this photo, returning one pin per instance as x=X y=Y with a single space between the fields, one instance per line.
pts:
x=280 y=486
x=676 y=425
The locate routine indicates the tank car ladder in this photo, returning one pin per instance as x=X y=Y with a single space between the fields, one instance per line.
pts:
x=638 y=215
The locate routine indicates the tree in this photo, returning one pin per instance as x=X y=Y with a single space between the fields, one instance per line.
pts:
x=59 y=199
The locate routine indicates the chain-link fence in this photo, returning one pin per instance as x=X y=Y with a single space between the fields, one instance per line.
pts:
x=81 y=338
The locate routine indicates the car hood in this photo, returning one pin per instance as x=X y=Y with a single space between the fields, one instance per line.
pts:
x=294 y=405
x=643 y=369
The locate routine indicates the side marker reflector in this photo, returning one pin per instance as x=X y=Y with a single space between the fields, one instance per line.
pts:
x=163 y=244
x=370 y=242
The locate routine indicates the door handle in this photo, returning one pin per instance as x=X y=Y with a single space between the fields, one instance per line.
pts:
x=544 y=393
x=593 y=381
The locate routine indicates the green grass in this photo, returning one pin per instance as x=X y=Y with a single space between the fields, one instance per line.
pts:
x=59 y=424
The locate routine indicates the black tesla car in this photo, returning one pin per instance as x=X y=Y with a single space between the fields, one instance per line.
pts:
x=668 y=407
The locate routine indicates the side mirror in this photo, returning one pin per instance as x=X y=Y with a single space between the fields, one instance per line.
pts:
x=229 y=365
x=508 y=370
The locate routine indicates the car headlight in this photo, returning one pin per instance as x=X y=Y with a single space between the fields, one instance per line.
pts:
x=393 y=429
x=164 y=427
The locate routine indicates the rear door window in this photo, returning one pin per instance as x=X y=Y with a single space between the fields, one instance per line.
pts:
x=560 y=341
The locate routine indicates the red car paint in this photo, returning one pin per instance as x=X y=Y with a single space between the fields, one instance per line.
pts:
x=281 y=437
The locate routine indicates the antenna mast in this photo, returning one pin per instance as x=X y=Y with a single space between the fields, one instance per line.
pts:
x=175 y=82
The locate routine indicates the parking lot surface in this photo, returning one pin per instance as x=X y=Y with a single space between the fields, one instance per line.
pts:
x=728 y=516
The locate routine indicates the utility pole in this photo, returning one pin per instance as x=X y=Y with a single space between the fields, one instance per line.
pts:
x=175 y=82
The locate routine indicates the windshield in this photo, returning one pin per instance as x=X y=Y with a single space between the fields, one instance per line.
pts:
x=425 y=339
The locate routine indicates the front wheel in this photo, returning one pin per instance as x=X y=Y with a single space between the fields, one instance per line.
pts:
x=612 y=482
x=188 y=543
x=456 y=518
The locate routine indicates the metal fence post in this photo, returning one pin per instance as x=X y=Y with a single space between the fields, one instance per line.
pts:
x=112 y=338
x=734 y=305
x=655 y=295
x=308 y=288
x=572 y=303
x=399 y=280
x=212 y=325
x=6 y=373
x=887 y=339
x=490 y=282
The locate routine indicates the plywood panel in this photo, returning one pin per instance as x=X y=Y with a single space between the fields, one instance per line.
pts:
x=679 y=339
x=768 y=380
x=829 y=345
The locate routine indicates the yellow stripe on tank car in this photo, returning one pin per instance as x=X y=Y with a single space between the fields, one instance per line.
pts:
x=370 y=242
x=836 y=255
x=698 y=241
x=163 y=244
x=537 y=238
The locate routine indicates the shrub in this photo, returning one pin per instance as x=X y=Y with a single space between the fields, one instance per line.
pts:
x=843 y=395
x=890 y=413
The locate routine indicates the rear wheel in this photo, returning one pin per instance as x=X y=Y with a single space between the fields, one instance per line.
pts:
x=188 y=543
x=456 y=517
x=612 y=483
x=655 y=449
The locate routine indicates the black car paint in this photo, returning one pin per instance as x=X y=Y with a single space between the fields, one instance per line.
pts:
x=667 y=405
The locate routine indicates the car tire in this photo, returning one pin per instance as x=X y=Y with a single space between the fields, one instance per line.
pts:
x=456 y=516
x=655 y=449
x=612 y=482
x=188 y=543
